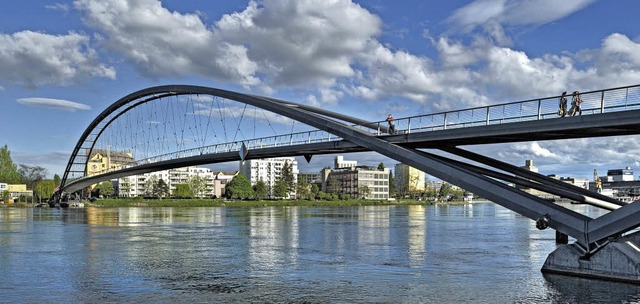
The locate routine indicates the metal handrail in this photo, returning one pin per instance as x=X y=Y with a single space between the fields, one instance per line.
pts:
x=594 y=102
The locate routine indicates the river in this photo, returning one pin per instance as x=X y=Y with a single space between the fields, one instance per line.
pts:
x=480 y=253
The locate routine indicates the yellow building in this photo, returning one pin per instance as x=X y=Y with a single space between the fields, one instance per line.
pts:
x=102 y=161
x=16 y=190
x=409 y=179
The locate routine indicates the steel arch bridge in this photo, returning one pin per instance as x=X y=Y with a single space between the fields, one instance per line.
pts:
x=166 y=113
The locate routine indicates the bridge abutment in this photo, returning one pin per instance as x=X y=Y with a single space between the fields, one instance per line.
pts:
x=619 y=260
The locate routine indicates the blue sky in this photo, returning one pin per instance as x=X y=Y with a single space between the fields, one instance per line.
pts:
x=64 y=62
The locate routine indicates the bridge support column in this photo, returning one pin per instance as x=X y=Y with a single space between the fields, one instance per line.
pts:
x=619 y=260
x=561 y=238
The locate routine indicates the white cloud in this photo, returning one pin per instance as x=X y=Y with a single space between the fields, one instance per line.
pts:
x=56 y=104
x=34 y=59
x=65 y=7
x=529 y=150
x=330 y=50
x=315 y=43
x=162 y=43
x=514 y=12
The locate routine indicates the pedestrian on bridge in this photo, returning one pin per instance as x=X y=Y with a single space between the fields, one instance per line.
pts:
x=562 y=111
x=392 y=125
x=575 y=104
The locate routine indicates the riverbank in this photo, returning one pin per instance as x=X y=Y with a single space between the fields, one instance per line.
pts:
x=107 y=203
x=139 y=202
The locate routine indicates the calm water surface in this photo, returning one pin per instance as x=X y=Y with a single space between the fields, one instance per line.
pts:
x=480 y=253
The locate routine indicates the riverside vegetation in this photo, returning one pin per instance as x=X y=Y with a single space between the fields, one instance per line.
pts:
x=140 y=202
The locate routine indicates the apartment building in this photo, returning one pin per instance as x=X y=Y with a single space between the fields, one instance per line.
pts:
x=268 y=170
x=409 y=179
x=138 y=185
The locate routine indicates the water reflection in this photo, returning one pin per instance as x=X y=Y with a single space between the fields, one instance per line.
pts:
x=565 y=289
x=285 y=254
x=417 y=224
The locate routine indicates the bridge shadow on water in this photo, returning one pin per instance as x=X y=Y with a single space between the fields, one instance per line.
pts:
x=568 y=289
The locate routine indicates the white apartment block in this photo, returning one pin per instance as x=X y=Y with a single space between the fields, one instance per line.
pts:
x=339 y=162
x=135 y=185
x=268 y=170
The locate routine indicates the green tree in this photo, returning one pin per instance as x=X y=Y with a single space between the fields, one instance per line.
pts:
x=286 y=174
x=150 y=186
x=280 y=189
x=333 y=185
x=239 y=188
x=57 y=180
x=163 y=188
x=106 y=188
x=445 y=191
x=6 y=195
x=8 y=170
x=381 y=166
x=364 y=191
x=260 y=190
x=31 y=175
x=44 y=189
x=198 y=184
x=183 y=191
x=315 y=190
x=302 y=189
x=392 y=185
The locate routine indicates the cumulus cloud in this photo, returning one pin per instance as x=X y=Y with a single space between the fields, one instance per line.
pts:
x=330 y=50
x=530 y=150
x=161 y=43
x=34 y=59
x=55 y=104
x=316 y=43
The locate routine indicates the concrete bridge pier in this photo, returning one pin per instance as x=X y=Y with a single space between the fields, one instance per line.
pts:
x=618 y=260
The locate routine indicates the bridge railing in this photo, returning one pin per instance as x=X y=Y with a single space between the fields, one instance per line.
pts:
x=307 y=137
x=594 y=102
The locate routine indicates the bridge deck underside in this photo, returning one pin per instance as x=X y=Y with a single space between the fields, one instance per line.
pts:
x=588 y=126
x=608 y=124
x=403 y=147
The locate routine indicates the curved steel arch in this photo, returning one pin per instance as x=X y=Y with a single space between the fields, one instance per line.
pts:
x=562 y=219
x=591 y=234
x=130 y=101
x=566 y=221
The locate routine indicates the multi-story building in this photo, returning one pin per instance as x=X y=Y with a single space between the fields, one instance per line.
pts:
x=357 y=182
x=339 y=162
x=269 y=171
x=619 y=183
x=16 y=190
x=310 y=178
x=528 y=165
x=138 y=185
x=409 y=179
x=619 y=175
x=101 y=161
x=581 y=182
x=220 y=181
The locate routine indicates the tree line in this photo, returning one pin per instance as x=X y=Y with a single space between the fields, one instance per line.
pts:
x=33 y=176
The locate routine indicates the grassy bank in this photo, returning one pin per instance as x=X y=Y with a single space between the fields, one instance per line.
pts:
x=138 y=202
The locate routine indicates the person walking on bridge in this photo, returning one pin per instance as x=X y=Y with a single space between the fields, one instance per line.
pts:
x=562 y=111
x=575 y=104
x=392 y=125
